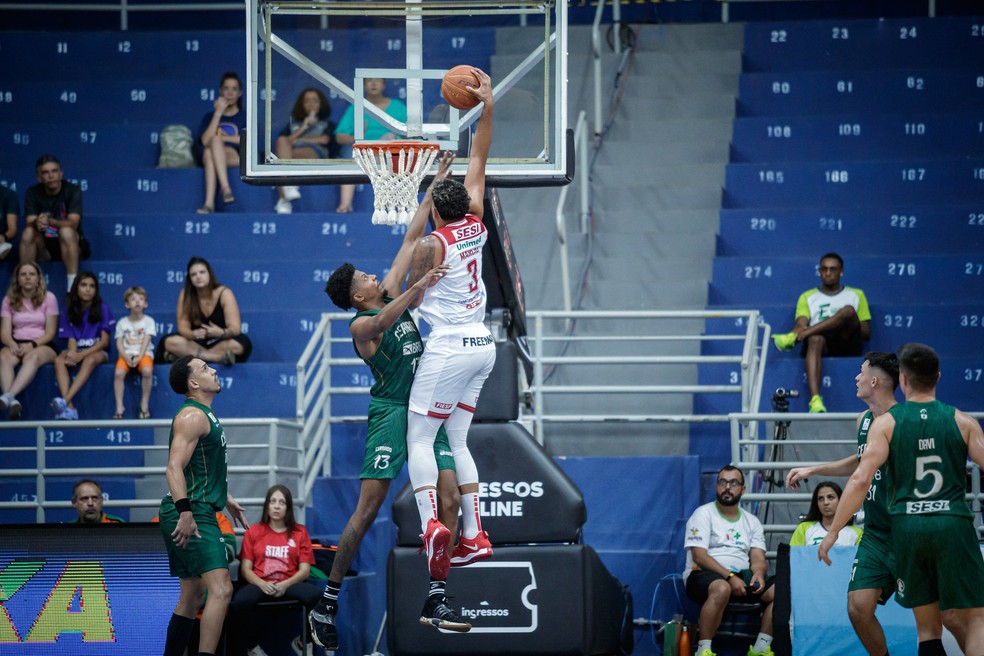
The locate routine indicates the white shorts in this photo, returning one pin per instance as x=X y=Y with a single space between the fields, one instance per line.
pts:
x=452 y=370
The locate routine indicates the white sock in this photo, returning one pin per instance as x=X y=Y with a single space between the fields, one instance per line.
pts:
x=702 y=645
x=426 y=506
x=71 y=279
x=762 y=642
x=471 y=520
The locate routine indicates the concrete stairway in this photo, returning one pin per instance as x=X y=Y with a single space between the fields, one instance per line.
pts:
x=654 y=236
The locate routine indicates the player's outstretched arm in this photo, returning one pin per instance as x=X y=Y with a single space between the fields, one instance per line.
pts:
x=481 y=142
x=369 y=328
x=397 y=275
x=875 y=455
x=842 y=467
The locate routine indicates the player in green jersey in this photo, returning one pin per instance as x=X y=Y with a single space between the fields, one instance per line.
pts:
x=197 y=489
x=873 y=574
x=385 y=336
x=925 y=444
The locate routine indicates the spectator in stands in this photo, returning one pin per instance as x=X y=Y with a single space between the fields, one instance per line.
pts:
x=308 y=135
x=275 y=562
x=9 y=210
x=726 y=562
x=133 y=342
x=85 y=329
x=28 y=325
x=209 y=327
x=823 y=506
x=87 y=497
x=831 y=320
x=374 y=88
x=219 y=137
x=53 y=219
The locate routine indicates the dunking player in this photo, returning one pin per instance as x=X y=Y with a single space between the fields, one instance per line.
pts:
x=196 y=479
x=386 y=337
x=873 y=574
x=924 y=445
x=459 y=356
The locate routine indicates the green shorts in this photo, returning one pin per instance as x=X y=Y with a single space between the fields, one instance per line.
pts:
x=202 y=554
x=386 y=441
x=939 y=559
x=874 y=565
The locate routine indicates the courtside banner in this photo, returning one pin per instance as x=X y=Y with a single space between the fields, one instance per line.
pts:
x=94 y=590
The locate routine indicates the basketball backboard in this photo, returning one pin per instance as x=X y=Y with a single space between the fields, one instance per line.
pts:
x=334 y=47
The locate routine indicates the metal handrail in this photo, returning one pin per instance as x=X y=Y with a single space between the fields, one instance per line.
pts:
x=123 y=7
x=745 y=448
x=581 y=155
x=42 y=471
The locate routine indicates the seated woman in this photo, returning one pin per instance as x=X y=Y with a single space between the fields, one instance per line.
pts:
x=823 y=507
x=275 y=561
x=219 y=139
x=28 y=325
x=308 y=135
x=208 y=320
x=86 y=328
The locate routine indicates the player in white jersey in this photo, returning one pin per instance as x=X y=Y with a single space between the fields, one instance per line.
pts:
x=459 y=354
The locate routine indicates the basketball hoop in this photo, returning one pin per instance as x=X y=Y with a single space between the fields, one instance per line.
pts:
x=395 y=169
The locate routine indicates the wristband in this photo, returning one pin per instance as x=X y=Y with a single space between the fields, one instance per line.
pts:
x=182 y=505
x=730 y=574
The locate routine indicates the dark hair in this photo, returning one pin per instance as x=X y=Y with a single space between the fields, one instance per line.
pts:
x=735 y=469
x=44 y=159
x=834 y=256
x=451 y=199
x=813 y=515
x=339 y=286
x=84 y=481
x=920 y=364
x=190 y=304
x=75 y=308
x=180 y=373
x=288 y=516
x=324 y=111
x=231 y=75
x=887 y=363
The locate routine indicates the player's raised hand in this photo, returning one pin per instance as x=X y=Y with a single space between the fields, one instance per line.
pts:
x=796 y=475
x=444 y=166
x=432 y=277
x=484 y=90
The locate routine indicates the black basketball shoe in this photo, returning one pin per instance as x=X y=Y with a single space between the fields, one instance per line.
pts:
x=323 y=628
x=438 y=613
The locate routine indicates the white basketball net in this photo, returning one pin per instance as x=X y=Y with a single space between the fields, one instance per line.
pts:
x=395 y=199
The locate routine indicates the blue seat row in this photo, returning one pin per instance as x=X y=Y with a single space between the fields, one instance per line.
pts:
x=258 y=285
x=848 y=45
x=66 y=437
x=60 y=489
x=856 y=137
x=754 y=280
x=919 y=90
x=253 y=389
x=185 y=55
x=961 y=384
x=139 y=191
x=857 y=230
x=846 y=183
x=115 y=146
x=953 y=329
x=327 y=237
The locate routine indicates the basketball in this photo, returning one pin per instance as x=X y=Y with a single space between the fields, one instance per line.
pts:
x=454 y=87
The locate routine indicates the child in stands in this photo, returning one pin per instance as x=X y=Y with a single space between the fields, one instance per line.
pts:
x=133 y=342
x=85 y=327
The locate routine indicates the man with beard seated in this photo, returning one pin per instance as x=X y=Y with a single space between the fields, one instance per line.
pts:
x=726 y=561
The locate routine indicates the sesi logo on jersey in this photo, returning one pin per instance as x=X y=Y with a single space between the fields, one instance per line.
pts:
x=468 y=231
